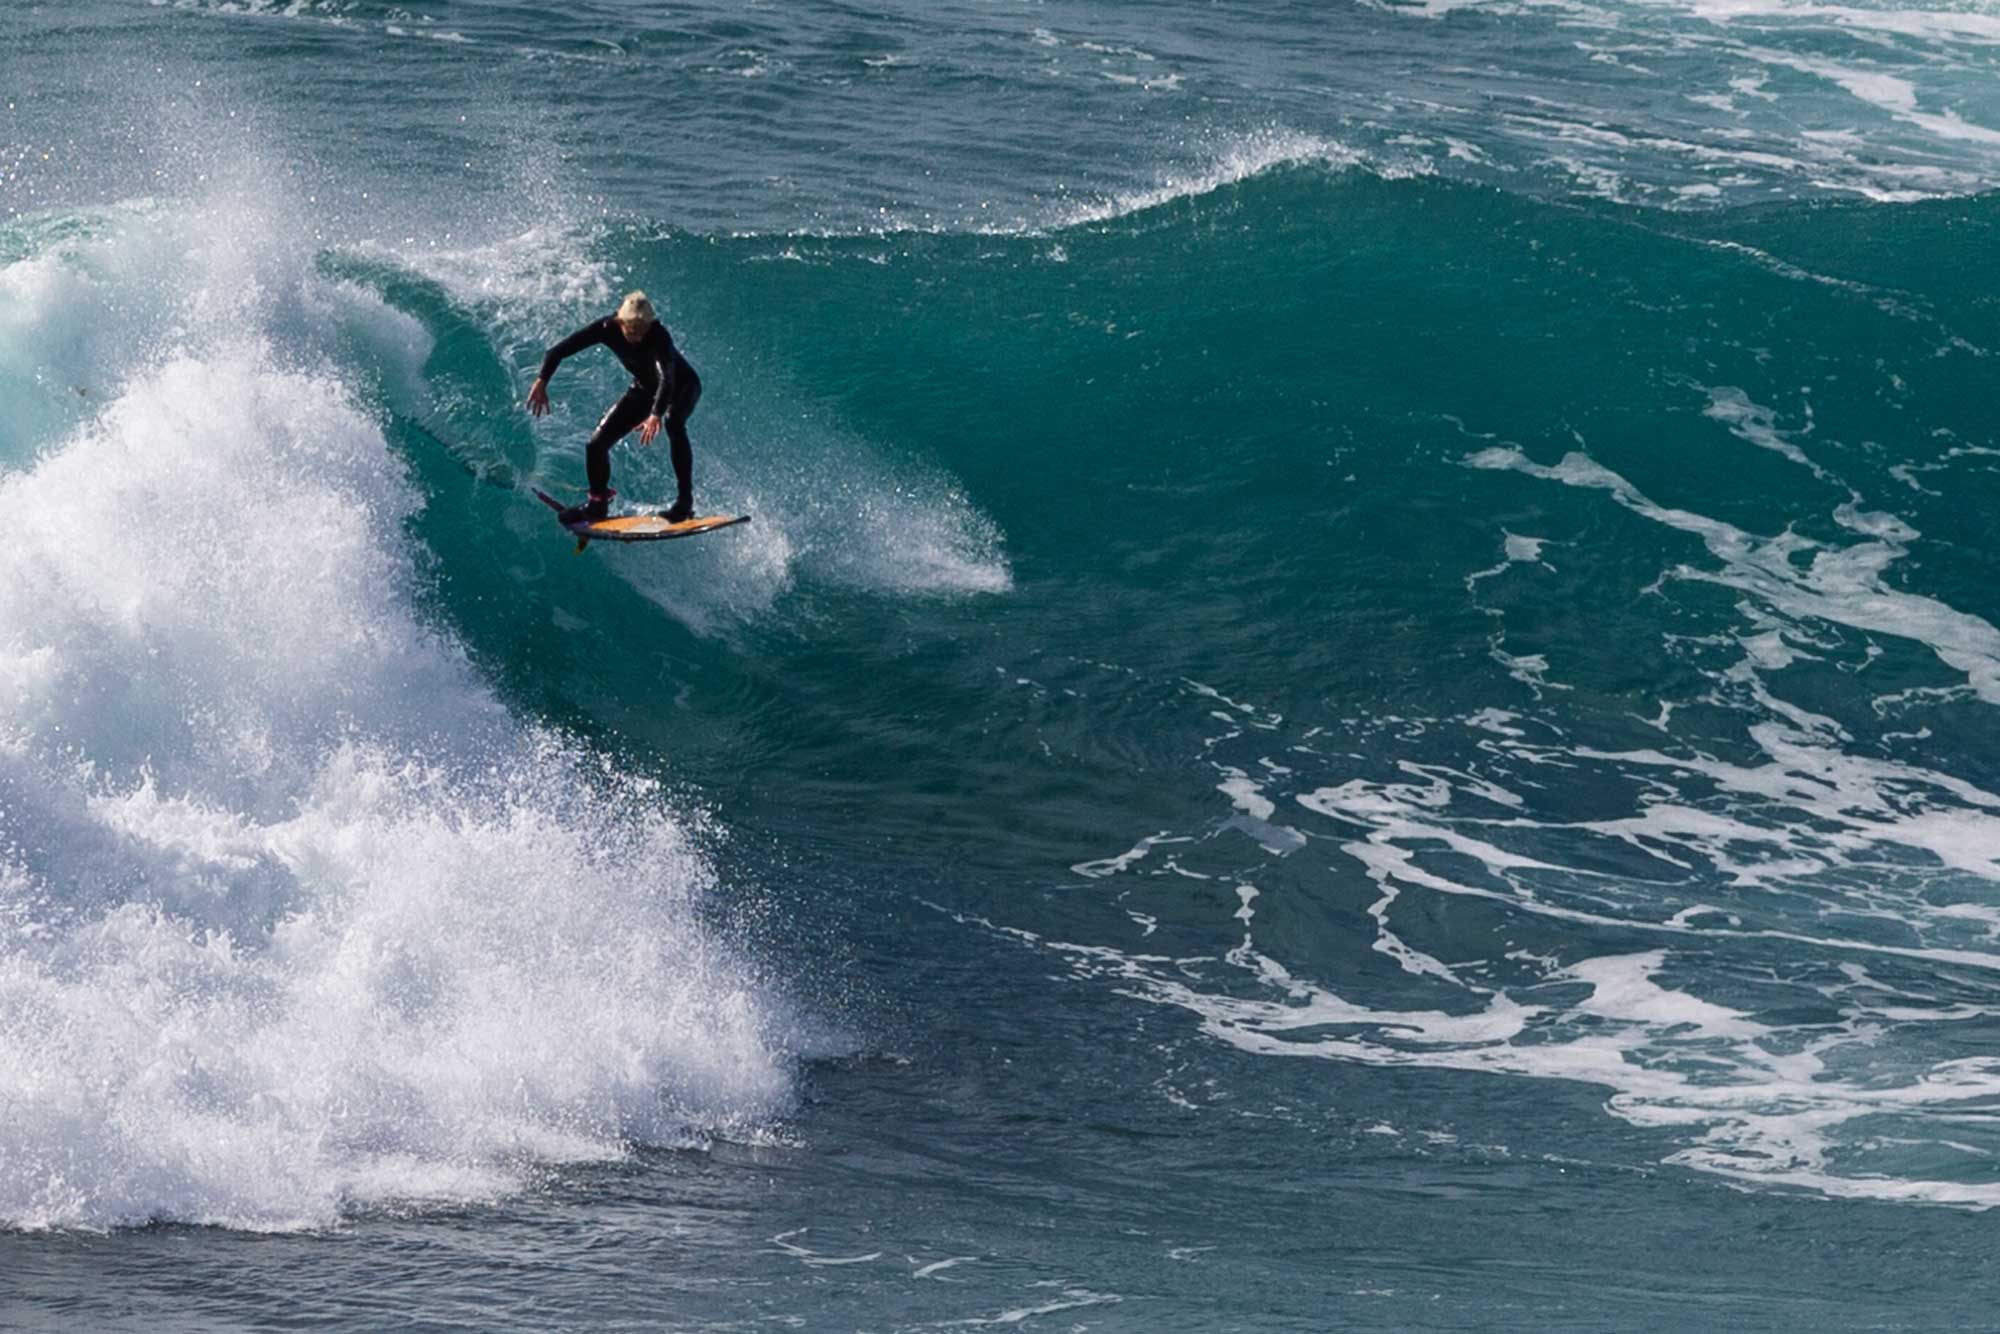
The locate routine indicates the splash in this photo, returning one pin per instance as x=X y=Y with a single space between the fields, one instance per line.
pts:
x=1250 y=156
x=295 y=917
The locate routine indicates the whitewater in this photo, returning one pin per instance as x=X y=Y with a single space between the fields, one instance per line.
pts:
x=1362 y=694
x=393 y=942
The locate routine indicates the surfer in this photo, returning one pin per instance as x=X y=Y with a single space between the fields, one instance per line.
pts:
x=663 y=393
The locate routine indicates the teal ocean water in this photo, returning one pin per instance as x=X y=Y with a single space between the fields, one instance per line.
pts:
x=1364 y=693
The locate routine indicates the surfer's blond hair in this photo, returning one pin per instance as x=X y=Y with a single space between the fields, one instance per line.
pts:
x=636 y=308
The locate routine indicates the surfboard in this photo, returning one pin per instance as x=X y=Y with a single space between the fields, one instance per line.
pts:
x=640 y=527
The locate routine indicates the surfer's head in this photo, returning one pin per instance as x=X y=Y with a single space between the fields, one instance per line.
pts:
x=635 y=315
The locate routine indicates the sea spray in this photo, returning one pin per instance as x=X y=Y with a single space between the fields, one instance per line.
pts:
x=298 y=918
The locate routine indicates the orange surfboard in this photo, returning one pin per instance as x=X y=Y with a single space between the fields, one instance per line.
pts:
x=640 y=527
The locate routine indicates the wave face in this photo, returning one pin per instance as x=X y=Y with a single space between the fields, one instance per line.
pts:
x=1368 y=650
x=1522 y=655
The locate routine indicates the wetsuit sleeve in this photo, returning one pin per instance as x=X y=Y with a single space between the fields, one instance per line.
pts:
x=661 y=347
x=588 y=336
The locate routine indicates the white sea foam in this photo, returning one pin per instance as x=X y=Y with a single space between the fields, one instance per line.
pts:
x=1920 y=70
x=1844 y=586
x=518 y=276
x=294 y=917
x=1530 y=669
x=1938 y=24
x=1749 y=879
x=1890 y=93
x=1750 y=1099
x=334 y=13
x=1756 y=424
x=1254 y=812
x=1113 y=865
x=868 y=523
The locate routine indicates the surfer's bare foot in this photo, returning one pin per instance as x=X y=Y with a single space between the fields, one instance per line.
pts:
x=683 y=510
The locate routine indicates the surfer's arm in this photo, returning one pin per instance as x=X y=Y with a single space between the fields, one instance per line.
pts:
x=588 y=336
x=665 y=359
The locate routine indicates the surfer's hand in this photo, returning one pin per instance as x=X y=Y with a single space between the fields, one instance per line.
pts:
x=648 y=429
x=538 y=397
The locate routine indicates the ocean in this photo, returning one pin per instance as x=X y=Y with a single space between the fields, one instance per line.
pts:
x=1364 y=692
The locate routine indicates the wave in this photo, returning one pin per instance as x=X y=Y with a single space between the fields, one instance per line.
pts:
x=1240 y=160
x=1659 y=770
x=296 y=915
x=290 y=847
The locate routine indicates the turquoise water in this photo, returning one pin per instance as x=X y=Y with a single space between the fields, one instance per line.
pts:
x=1362 y=694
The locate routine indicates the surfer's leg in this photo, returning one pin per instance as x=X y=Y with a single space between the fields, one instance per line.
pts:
x=631 y=409
x=686 y=395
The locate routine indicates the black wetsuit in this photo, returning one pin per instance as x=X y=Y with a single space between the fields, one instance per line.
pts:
x=661 y=380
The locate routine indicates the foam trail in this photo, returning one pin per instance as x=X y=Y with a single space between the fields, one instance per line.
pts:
x=1767 y=1108
x=1841 y=585
x=1629 y=950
